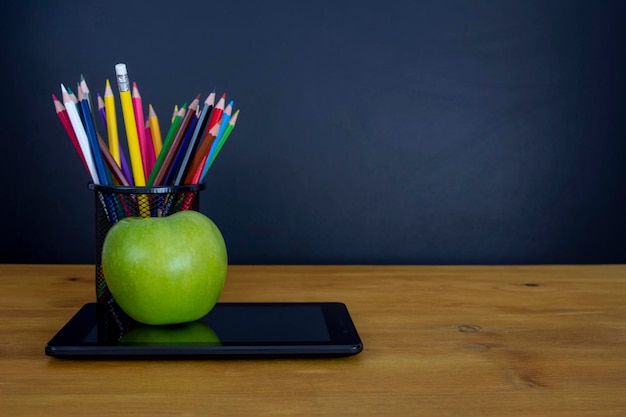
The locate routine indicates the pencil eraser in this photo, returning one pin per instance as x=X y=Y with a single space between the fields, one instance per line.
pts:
x=120 y=69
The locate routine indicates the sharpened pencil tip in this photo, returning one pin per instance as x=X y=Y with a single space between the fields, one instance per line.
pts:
x=233 y=119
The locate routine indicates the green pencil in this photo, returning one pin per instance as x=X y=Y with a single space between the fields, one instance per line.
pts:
x=229 y=128
x=178 y=119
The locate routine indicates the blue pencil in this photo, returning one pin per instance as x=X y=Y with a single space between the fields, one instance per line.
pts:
x=182 y=151
x=215 y=146
x=90 y=129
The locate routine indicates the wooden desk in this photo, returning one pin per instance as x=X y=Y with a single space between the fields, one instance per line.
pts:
x=439 y=341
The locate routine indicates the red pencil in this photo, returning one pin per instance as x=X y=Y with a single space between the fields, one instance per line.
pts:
x=216 y=114
x=199 y=160
x=193 y=177
x=141 y=129
x=65 y=120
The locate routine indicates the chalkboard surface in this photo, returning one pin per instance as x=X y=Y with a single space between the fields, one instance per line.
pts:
x=406 y=132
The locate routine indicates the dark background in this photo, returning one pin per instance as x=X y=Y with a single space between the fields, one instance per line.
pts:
x=418 y=132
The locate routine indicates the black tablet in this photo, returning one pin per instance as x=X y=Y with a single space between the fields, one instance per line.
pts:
x=248 y=330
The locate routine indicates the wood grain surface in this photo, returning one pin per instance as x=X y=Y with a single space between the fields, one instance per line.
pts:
x=439 y=341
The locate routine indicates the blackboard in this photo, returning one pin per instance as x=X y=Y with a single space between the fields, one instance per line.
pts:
x=405 y=132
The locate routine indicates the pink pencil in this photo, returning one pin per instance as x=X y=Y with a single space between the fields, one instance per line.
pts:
x=150 y=146
x=141 y=129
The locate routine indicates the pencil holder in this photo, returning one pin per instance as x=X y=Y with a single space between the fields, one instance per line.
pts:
x=113 y=204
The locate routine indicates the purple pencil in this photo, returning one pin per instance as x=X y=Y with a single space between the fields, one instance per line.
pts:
x=126 y=169
x=102 y=111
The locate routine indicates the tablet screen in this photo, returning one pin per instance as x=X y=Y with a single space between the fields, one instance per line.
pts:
x=228 y=328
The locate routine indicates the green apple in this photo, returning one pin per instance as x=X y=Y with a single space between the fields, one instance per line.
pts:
x=165 y=270
x=195 y=333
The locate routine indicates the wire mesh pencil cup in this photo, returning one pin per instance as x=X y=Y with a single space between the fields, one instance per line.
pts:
x=113 y=204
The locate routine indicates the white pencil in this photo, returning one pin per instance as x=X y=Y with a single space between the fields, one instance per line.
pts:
x=81 y=134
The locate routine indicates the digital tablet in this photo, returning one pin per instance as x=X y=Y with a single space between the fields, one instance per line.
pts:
x=101 y=330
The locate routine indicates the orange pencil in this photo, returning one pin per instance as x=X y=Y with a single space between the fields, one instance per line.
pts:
x=155 y=130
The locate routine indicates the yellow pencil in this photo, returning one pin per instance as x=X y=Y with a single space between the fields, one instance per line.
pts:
x=155 y=130
x=109 y=107
x=123 y=85
x=126 y=99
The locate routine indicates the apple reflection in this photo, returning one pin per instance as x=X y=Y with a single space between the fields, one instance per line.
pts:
x=195 y=333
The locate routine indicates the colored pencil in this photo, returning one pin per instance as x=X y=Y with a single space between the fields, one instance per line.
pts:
x=102 y=111
x=65 y=120
x=126 y=168
x=141 y=128
x=166 y=145
x=155 y=130
x=111 y=122
x=221 y=140
x=199 y=160
x=90 y=129
x=82 y=86
x=174 y=148
x=223 y=123
x=216 y=114
x=132 y=139
x=198 y=134
x=180 y=155
x=117 y=173
x=72 y=95
x=122 y=162
x=120 y=178
x=151 y=157
x=81 y=135
x=228 y=111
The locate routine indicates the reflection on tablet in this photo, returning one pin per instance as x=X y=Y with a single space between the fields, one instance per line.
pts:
x=195 y=333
